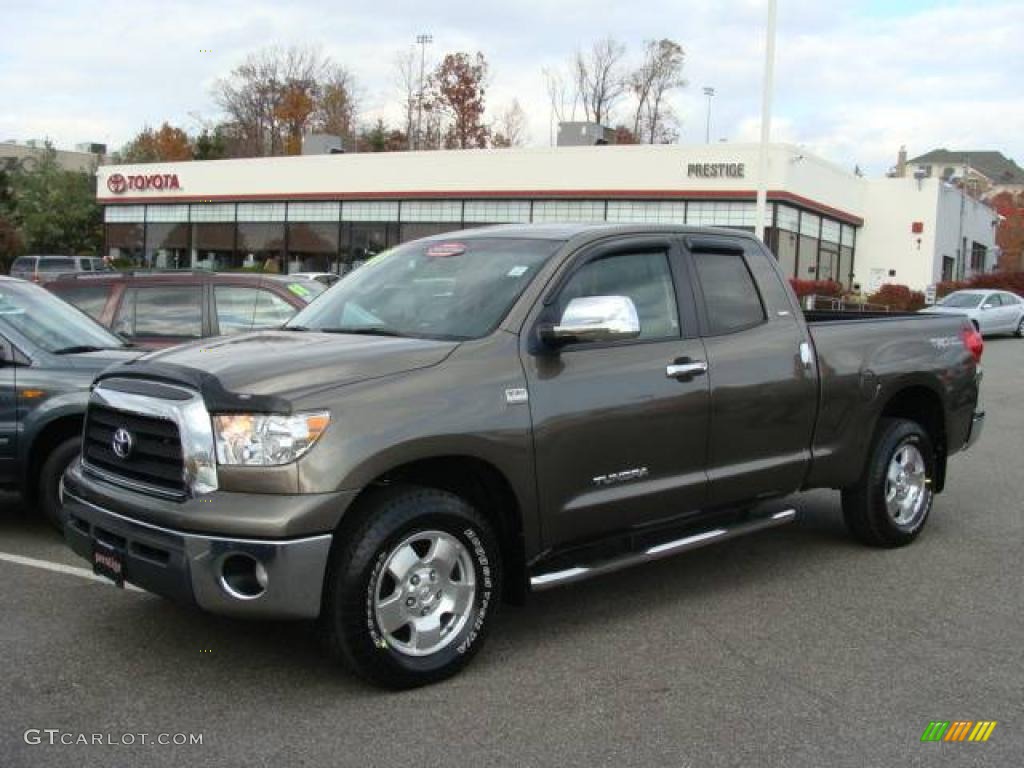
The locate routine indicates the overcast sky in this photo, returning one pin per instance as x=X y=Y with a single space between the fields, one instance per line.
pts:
x=855 y=80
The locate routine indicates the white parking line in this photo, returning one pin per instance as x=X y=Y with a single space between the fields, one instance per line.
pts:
x=46 y=565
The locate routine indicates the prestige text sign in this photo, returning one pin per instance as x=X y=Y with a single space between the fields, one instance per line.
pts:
x=716 y=170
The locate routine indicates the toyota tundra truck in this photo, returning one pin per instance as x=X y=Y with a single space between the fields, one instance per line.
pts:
x=472 y=417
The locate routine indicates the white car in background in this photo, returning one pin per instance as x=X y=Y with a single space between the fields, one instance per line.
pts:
x=990 y=311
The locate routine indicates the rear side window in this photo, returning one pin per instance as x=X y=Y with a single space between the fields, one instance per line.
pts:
x=57 y=265
x=174 y=311
x=730 y=296
x=241 y=309
x=91 y=299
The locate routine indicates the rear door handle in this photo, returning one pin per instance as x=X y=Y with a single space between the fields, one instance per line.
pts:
x=683 y=370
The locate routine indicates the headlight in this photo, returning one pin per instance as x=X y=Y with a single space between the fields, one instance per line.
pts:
x=266 y=439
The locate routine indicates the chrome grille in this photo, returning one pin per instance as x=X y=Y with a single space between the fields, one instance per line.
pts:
x=156 y=456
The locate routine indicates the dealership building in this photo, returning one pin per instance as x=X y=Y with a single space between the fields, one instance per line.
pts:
x=330 y=212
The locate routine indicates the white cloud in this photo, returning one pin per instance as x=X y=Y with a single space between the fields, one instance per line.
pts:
x=854 y=80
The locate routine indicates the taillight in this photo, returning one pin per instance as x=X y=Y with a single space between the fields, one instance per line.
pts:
x=973 y=342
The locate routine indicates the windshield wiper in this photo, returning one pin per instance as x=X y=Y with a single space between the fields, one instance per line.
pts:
x=81 y=348
x=294 y=328
x=366 y=330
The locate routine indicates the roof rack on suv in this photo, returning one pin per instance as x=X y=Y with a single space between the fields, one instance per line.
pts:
x=135 y=273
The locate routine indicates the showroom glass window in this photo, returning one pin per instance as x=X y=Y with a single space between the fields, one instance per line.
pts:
x=369 y=228
x=167 y=234
x=125 y=233
x=807 y=256
x=313 y=237
x=213 y=235
x=423 y=218
x=261 y=243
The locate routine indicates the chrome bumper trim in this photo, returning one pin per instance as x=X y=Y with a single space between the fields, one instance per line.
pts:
x=190 y=565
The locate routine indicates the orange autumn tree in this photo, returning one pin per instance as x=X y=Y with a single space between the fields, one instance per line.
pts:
x=166 y=144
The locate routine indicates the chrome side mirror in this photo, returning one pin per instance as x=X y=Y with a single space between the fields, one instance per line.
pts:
x=987 y=306
x=595 y=318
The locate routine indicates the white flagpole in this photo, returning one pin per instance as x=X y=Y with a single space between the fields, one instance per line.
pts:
x=766 y=121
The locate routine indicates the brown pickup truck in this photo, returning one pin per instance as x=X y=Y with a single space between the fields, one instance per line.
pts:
x=471 y=417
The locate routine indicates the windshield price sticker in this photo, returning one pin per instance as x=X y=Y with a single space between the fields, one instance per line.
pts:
x=446 y=250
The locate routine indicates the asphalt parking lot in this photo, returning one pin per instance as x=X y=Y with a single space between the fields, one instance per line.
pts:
x=792 y=647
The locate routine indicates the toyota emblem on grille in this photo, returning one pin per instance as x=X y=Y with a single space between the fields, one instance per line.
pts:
x=122 y=443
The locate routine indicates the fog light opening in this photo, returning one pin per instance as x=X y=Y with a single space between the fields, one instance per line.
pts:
x=243 y=576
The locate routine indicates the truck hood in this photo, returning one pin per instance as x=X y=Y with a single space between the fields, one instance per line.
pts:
x=269 y=366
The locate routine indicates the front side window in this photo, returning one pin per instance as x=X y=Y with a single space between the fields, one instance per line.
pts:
x=730 y=296
x=169 y=311
x=643 y=278
x=457 y=289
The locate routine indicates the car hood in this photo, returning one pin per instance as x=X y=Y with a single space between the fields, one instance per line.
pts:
x=97 y=361
x=268 y=366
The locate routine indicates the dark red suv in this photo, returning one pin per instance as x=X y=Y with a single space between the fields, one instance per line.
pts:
x=162 y=308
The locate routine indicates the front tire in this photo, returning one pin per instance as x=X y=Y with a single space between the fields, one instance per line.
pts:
x=48 y=485
x=1020 y=328
x=890 y=504
x=412 y=588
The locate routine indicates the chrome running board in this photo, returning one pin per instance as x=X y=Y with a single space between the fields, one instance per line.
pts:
x=657 y=552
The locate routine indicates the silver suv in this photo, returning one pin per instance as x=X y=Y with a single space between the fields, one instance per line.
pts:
x=42 y=269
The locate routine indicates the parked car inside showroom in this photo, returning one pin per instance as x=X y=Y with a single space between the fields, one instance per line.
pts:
x=156 y=309
x=991 y=311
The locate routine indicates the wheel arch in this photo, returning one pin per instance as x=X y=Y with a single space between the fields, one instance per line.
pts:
x=923 y=405
x=48 y=437
x=481 y=484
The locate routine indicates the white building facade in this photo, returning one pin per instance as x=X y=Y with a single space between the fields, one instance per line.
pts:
x=330 y=212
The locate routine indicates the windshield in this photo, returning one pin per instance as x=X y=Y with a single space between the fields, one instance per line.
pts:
x=961 y=300
x=442 y=289
x=49 y=323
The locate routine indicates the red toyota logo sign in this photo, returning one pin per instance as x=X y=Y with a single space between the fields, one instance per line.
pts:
x=118 y=183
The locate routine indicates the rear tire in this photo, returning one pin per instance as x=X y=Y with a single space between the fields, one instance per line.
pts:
x=48 y=485
x=890 y=504
x=1020 y=328
x=411 y=590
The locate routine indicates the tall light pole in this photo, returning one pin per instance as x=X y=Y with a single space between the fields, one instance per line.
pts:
x=709 y=92
x=422 y=41
x=766 y=120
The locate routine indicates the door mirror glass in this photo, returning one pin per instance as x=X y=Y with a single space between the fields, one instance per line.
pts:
x=595 y=318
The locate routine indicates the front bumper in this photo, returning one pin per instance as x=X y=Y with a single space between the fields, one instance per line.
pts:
x=197 y=569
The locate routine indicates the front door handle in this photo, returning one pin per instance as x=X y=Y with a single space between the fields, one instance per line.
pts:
x=685 y=369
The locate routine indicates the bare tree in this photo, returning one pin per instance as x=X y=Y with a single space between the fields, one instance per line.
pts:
x=337 y=104
x=598 y=79
x=407 y=83
x=660 y=72
x=562 y=99
x=277 y=94
x=510 y=128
